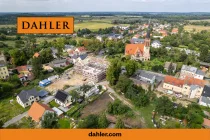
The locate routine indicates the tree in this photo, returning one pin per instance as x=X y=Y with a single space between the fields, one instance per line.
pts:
x=194 y=116
x=142 y=100
x=37 y=66
x=47 y=56
x=164 y=106
x=204 y=52
x=50 y=120
x=113 y=72
x=19 y=57
x=90 y=121
x=102 y=121
x=131 y=67
x=119 y=124
x=123 y=83
x=75 y=95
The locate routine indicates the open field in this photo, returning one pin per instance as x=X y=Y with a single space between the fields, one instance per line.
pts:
x=92 y=25
x=199 y=20
x=197 y=28
x=97 y=106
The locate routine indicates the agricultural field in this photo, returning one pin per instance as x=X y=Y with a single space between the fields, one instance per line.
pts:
x=93 y=25
x=199 y=20
x=197 y=28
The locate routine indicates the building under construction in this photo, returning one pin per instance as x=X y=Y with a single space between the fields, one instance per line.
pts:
x=94 y=69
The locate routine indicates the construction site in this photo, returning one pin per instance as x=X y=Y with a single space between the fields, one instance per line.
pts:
x=93 y=69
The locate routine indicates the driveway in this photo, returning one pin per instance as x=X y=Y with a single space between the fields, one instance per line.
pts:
x=47 y=99
x=15 y=119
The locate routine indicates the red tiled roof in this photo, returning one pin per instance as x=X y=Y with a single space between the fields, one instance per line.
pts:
x=131 y=49
x=37 y=110
x=81 y=49
x=193 y=81
x=206 y=122
x=175 y=30
x=180 y=82
x=36 y=54
x=22 y=68
x=173 y=81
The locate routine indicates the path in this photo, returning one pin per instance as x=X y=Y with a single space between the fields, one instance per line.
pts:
x=15 y=119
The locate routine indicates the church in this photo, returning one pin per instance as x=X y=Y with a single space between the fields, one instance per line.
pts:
x=139 y=51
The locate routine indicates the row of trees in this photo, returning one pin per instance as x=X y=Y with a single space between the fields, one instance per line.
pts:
x=193 y=114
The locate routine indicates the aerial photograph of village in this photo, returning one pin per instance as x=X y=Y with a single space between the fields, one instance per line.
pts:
x=144 y=67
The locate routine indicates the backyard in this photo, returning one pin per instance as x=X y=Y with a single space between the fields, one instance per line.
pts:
x=10 y=110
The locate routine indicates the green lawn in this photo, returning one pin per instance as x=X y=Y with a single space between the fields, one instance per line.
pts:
x=146 y=113
x=8 y=111
x=64 y=123
x=7 y=26
x=53 y=104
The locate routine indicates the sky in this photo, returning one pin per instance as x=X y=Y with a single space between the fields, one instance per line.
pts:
x=104 y=5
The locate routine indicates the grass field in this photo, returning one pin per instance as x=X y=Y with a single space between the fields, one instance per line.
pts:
x=7 y=26
x=8 y=110
x=199 y=20
x=146 y=113
x=92 y=25
x=64 y=123
x=197 y=28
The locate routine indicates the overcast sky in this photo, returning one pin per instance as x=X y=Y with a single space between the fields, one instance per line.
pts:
x=104 y=5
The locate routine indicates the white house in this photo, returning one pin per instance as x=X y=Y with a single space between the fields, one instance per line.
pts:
x=27 y=97
x=156 y=44
x=62 y=98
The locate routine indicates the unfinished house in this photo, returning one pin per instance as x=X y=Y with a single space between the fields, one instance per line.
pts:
x=94 y=69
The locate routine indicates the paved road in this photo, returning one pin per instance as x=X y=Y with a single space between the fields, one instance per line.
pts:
x=15 y=119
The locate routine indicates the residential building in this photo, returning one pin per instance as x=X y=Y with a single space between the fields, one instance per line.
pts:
x=148 y=77
x=189 y=71
x=54 y=52
x=170 y=67
x=76 y=58
x=94 y=72
x=27 y=97
x=2 y=57
x=174 y=31
x=139 y=51
x=80 y=50
x=93 y=69
x=68 y=48
x=156 y=44
x=38 y=110
x=206 y=123
x=36 y=55
x=4 y=73
x=205 y=96
x=58 y=63
x=137 y=41
x=115 y=36
x=62 y=98
x=189 y=86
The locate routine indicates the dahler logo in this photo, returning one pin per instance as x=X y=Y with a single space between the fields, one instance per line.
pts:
x=45 y=25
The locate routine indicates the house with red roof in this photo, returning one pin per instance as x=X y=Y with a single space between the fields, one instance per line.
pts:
x=175 y=31
x=189 y=86
x=38 y=110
